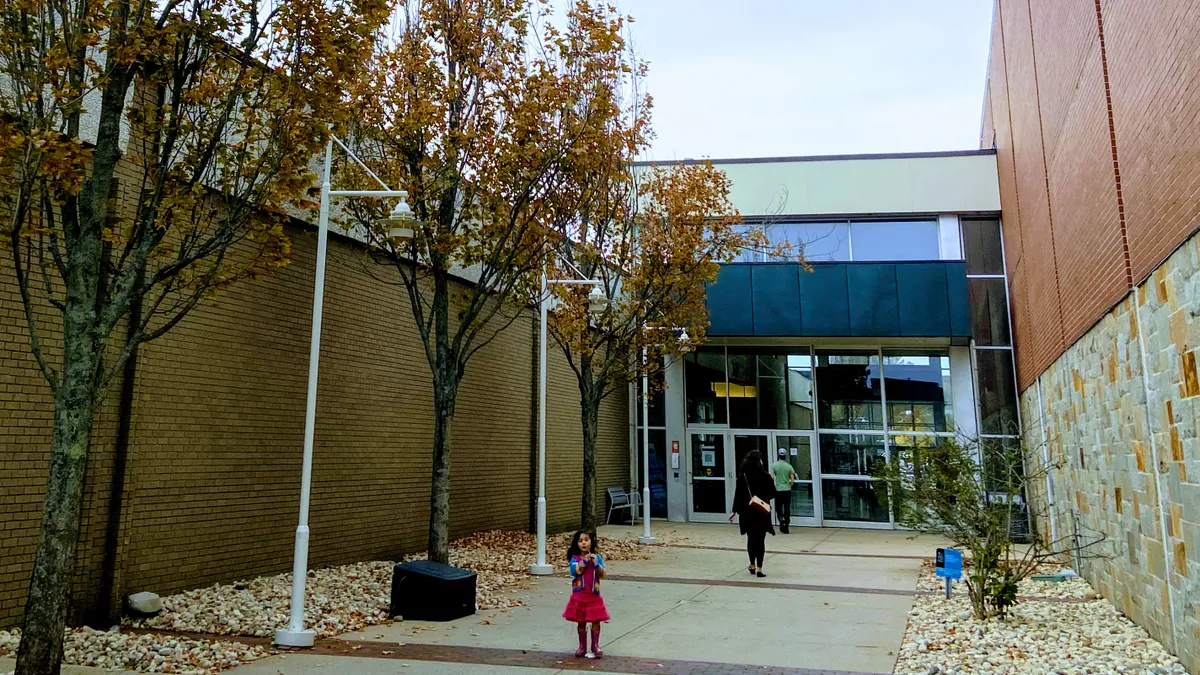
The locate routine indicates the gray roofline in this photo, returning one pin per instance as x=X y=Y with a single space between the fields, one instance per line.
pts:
x=823 y=158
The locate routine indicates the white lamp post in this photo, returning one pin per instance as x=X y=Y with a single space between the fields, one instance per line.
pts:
x=597 y=302
x=647 y=537
x=296 y=635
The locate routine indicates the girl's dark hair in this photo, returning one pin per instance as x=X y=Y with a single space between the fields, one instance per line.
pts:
x=753 y=461
x=574 y=550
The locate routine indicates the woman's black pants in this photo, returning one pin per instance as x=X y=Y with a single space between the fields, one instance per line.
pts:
x=756 y=546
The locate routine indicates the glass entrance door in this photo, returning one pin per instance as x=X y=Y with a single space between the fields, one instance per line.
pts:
x=745 y=442
x=708 y=493
x=805 y=494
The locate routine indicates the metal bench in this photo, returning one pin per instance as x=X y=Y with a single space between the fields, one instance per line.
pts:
x=620 y=499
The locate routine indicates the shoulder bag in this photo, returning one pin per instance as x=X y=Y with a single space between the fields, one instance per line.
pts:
x=756 y=503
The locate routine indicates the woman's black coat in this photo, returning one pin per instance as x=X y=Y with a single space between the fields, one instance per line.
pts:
x=761 y=485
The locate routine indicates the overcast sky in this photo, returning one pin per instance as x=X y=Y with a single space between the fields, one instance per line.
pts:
x=752 y=78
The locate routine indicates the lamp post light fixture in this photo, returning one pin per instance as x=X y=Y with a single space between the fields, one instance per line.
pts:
x=401 y=221
x=597 y=303
x=647 y=537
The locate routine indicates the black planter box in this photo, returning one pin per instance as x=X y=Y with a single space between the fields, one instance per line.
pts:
x=430 y=591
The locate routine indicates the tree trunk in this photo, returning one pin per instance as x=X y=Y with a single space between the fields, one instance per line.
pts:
x=589 y=403
x=444 y=395
x=446 y=378
x=41 y=647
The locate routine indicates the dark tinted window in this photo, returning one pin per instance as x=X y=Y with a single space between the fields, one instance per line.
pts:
x=743 y=392
x=704 y=375
x=918 y=391
x=982 y=248
x=997 y=391
x=989 y=312
x=657 y=403
x=849 y=391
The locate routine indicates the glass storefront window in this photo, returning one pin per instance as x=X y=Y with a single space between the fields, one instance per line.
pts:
x=800 y=391
x=768 y=389
x=903 y=240
x=772 y=392
x=982 y=247
x=704 y=375
x=819 y=242
x=997 y=392
x=917 y=385
x=803 y=504
x=852 y=500
x=742 y=392
x=851 y=454
x=989 y=312
x=848 y=390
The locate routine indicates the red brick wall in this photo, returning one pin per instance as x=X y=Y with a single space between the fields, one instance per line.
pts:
x=1093 y=198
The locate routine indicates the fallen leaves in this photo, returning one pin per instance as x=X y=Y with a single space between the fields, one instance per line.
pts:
x=351 y=597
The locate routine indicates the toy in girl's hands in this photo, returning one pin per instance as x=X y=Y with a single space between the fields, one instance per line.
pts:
x=586 y=606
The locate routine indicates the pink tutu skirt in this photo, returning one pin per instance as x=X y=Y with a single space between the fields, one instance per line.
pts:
x=585 y=607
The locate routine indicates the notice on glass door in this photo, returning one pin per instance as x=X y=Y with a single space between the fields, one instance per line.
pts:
x=708 y=457
x=795 y=452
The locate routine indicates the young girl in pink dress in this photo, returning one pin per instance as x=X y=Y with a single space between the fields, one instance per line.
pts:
x=586 y=606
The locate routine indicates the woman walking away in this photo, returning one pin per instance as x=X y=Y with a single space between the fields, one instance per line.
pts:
x=586 y=606
x=752 y=506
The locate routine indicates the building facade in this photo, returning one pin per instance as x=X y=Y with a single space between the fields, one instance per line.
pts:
x=1093 y=108
x=894 y=334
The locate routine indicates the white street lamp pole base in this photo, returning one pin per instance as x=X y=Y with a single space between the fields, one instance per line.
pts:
x=286 y=637
x=646 y=537
x=541 y=568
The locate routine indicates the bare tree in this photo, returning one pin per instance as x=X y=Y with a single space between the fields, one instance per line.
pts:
x=975 y=492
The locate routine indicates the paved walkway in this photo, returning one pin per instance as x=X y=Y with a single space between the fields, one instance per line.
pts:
x=835 y=601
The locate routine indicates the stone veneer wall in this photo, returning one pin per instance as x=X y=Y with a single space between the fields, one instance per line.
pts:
x=1119 y=413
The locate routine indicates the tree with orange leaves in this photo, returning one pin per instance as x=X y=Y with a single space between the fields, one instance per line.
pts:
x=654 y=238
x=651 y=238
x=150 y=153
x=478 y=109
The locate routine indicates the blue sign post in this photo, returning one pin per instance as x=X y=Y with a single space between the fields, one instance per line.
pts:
x=949 y=566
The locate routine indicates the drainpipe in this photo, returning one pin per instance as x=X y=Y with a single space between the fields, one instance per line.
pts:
x=107 y=608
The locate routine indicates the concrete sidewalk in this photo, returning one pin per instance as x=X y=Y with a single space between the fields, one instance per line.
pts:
x=833 y=601
x=802 y=540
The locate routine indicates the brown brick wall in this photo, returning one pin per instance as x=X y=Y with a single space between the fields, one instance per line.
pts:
x=1092 y=200
x=217 y=435
x=1087 y=227
x=1154 y=68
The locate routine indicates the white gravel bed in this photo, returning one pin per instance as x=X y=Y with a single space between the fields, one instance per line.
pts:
x=351 y=597
x=338 y=600
x=1039 y=637
x=1076 y=588
x=145 y=653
